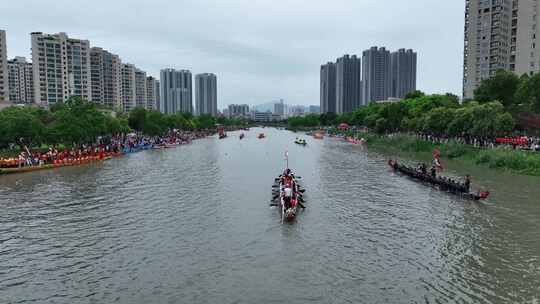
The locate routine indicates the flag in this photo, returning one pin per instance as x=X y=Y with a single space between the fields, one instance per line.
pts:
x=286 y=154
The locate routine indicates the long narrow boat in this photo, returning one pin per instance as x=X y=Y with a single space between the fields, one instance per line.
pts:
x=52 y=166
x=439 y=182
x=288 y=213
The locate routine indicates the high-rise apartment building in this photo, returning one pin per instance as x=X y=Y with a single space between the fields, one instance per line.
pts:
x=21 y=82
x=140 y=89
x=279 y=108
x=4 y=86
x=206 y=94
x=128 y=87
x=106 y=78
x=314 y=109
x=403 y=72
x=152 y=93
x=499 y=35
x=348 y=84
x=61 y=68
x=176 y=91
x=328 y=88
x=376 y=75
x=236 y=110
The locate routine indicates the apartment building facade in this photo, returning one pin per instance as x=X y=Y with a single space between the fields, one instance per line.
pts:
x=20 y=81
x=152 y=93
x=499 y=35
x=61 y=68
x=106 y=78
x=206 y=94
x=4 y=86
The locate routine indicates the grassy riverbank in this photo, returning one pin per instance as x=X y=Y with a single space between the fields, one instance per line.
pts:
x=521 y=162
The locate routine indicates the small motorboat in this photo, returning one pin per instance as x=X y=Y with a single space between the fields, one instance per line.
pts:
x=261 y=136
x=300 y=141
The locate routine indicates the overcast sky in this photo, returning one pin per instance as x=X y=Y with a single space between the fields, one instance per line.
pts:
x=261 y=50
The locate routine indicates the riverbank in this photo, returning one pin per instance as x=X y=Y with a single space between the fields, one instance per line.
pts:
x=502 y=158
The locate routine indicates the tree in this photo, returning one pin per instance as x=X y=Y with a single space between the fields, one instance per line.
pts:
x=504 y=123
x=437 y=120
x=137 y=118
x=381 y=125
x=327 y=119
x=414 y=94
x=501 y=87
x=528 y=94
x=154 y=124
x=205 y=121
x=20 y=126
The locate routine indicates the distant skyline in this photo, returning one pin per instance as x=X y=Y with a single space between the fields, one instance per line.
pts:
x=260 y=51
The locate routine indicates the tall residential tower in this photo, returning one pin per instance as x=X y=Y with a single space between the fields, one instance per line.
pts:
x=61 y=68
x=499 y=35
x=152 y=93
x=106 y=78
x=176 y=91
x=348 y=84
x=4 y=86
x=21 y=83
x=377 y=75
x=403 y=72
x=328 y=88
x=206 y=94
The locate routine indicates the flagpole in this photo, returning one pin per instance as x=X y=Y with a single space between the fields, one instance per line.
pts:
x=287 y=157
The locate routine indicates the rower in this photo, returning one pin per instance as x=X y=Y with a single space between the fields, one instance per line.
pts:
x=467 y=183
x=287 y=196
x=423 y=169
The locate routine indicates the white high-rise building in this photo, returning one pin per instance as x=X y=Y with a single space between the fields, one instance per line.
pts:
x=206 y=94
x=499 y=35
x=21 y=82
x=106 y=78
x=61 y=68
x=4 y=86
x=128 y=87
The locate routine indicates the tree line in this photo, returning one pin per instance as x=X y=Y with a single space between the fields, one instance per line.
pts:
x=493 y=112
x=77 y=121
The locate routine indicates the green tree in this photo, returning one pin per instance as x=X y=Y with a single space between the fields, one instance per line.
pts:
x=437 y=120
x=528 y=94
x=414 y=94
x=20 y=126
x=137 y=118
x=205 y=121
x=501 y=87
x=154 y=124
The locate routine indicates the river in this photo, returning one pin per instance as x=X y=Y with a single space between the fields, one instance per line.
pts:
x=194 y=225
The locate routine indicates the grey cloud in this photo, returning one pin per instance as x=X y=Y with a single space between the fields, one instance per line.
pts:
x=261 y=50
